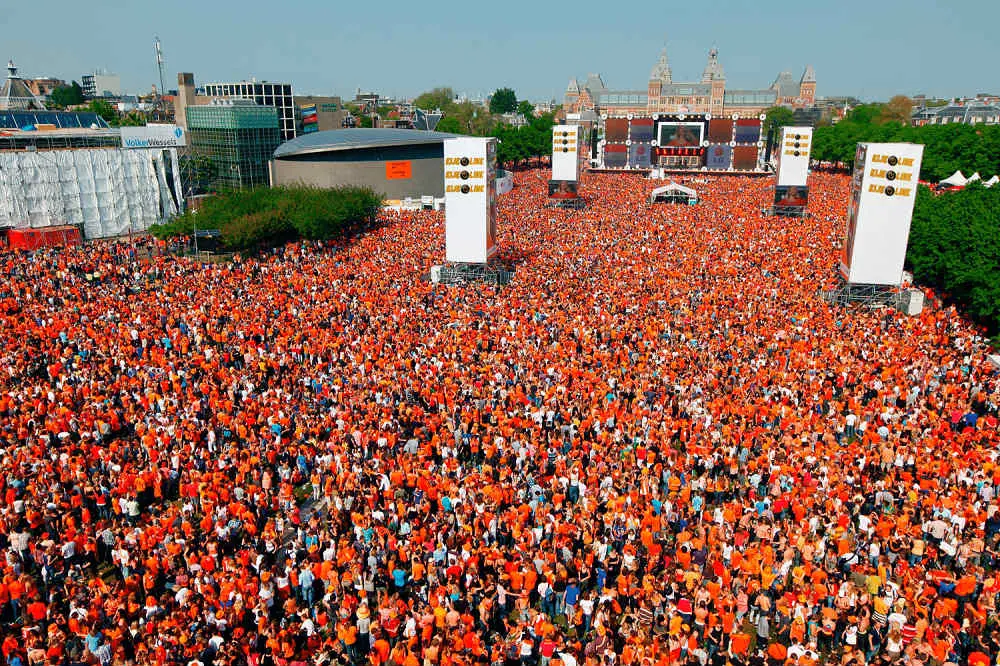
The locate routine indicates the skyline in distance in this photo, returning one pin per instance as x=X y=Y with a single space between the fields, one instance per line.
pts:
x=862 y=49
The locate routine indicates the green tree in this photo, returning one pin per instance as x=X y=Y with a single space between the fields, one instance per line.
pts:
x=947 y=148
x=526 y=109
x=132 y=119
x=264 y=217
x=954 y=246
x=65 y=96
x=504 y=100
x=777 y=116
x=865 y=114
x=438 y=98
x=899 y=109
x=104 y=110
x=450 y=124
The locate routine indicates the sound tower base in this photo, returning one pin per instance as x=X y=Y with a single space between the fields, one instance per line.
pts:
x=868 y=295
x=788 y=212
x=572 y=204
x=461 y=273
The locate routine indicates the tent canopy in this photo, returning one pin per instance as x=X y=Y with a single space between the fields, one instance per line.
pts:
x=672 y=191
x=955 y=180
x=992 y=181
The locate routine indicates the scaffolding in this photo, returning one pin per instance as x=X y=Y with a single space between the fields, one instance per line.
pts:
x=238 y=137
x=788 y=211
x=872 y=296
x=572 y=204
x=460 y=273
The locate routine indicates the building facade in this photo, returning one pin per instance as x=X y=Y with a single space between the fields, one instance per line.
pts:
x=708 y=95
x=238 y=137
x=968 y=113
x=101 y=84
x=263 y=93
x=319 y=114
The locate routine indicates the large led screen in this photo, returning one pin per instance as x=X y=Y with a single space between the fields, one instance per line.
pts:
x=720 y=130
x=639 y=155
x=615 y=156
x=747 y=130
x=641 y=130
x=719 y=157
x=563 y=189
x=745 y=158
x=791 y=196
x=681 y=135
x=616 y=130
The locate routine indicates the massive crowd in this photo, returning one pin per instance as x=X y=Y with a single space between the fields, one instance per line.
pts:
x=657 y=445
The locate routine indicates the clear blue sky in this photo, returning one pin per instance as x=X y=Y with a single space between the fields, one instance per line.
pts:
x=864 y=48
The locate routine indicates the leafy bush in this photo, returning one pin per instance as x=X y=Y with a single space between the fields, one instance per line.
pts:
x=955 y=247
x=269 y=216
x=266 y=228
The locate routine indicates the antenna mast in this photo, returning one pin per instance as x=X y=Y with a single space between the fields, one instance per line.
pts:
x=159 y=65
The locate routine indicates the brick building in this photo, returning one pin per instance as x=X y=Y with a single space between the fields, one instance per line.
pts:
x=708 y=95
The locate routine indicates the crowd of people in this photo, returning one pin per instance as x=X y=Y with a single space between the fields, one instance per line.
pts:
x=657 y=445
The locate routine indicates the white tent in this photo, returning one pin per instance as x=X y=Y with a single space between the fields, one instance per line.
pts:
x=973 y=178
x=955 y=180
x=673 y=192
x=992 y=181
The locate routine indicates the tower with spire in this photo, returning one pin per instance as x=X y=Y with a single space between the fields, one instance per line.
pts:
x=807 y=86
x=659 y=77
x=572 y=96
x=16 y=95
x=715 y=77
x=713 y=68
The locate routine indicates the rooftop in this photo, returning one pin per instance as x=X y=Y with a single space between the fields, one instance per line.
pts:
x=15 y=120
x=353 y=139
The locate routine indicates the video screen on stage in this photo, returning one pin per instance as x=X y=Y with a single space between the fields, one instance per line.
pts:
x=791 y=196
x=682 y=135
x=615 y=156
x=616 y=130
x=563 y=189
x=719 y=157
x=641 y=130
x=745 y=158
x=720 y=130
x=748 y=130
x=639 y=155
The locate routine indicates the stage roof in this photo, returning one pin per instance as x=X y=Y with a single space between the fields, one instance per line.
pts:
x=357 y=138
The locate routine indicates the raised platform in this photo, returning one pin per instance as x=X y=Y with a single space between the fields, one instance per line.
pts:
x=458 y=273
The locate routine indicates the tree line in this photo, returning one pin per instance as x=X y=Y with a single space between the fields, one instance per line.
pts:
x=947 y=148
x=955 y=247
x=516 y=144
